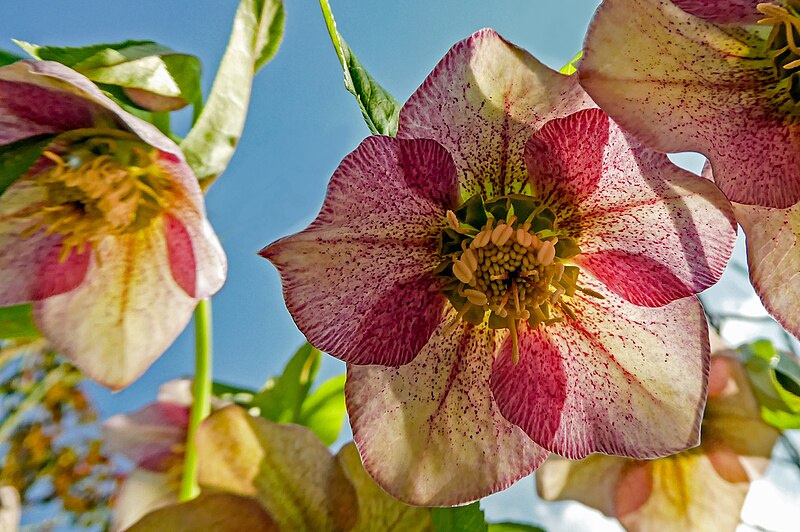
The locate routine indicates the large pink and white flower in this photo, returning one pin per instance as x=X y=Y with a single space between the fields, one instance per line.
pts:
x=105 y=232
x=511 y=275
x=719 y=77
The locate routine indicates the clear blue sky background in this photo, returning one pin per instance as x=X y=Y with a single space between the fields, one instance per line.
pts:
x=302 y=123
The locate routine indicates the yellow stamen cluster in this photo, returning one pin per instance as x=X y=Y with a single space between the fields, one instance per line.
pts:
x=508 y=270
x=783 y=42
x=100 y=187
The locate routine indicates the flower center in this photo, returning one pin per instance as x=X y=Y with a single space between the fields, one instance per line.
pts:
x=782 y=44
x=102 y=185
x=507 y=258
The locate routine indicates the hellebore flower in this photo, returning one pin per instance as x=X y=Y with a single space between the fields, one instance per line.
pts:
x=700 y=489
x=512 y=275
x=106 y=232
x=719 y=77
x=153 y=439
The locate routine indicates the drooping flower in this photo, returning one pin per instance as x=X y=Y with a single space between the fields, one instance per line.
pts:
x=512 y=275
x=700 y=489
x=153 y=439
x=105 y=228
x=719 y=77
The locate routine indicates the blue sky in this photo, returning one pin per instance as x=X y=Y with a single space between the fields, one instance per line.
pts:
x=302 y=123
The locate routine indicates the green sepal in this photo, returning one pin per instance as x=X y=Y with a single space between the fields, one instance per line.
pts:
x=566 y=248
x=498 y=208
x=17 y=322
x=524 y=206
x=450 y=242
x=7 y=58
x=472 y=212
x=18 y=157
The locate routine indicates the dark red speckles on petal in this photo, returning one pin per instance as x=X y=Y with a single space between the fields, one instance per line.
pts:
x=359 y=281
x=621 y=379
x=723 y=11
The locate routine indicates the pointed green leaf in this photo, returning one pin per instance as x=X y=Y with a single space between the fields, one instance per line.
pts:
x=324 y=410
x=17 y=322
x=282 y=397
x=18 y=157
x=513 y=527
x=467 y=518
x=379 y=108
x=257 y=33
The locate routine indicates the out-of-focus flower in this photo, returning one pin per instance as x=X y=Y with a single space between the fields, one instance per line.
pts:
x=700 y=489
x=294 y=481
x=10 y=512
x=512 y=275
x=153 y=438
x=719 y=77
x=105 y=228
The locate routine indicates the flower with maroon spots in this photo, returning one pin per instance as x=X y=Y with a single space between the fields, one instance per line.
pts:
x=104 y=231
x=718 y=77
x=511 y=275
x=699 y=489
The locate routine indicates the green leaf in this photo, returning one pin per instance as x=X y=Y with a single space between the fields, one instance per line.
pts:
x=467 y=518
x=379 y=108
x=569 y=68
x=6 y=58
x=17 y=322
x=257 y=33
x=514 y=527
x=282 y=397
x=775 y=378
x=152 y=77
x=18 y=157
x=324 y=410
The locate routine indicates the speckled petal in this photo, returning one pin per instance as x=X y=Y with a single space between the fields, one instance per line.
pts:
x=650 y=231
x=722 y=11
x=430 y=432
x=358 y=281
x=680 y=83
x=30 y=268
x=773 y=236
x=482 y=102
x=124 y=315
x=622 y=379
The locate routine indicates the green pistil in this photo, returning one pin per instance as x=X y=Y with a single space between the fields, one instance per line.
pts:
x=506 y=258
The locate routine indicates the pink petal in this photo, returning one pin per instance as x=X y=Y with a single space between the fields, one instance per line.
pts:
x=124 y=315
x=653 y=233
x=358 y=280
x=722 y=11
x=180 y=254
x=149 y=436
x=141 y=493
x=430 y=432
x=773 y=259
x=482 y=102
x=688 y=85
x=622 y=379
x=30 y=268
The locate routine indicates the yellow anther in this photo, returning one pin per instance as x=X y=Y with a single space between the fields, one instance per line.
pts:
x=524 y=238
x=501 y=234
x=462 y=271
x=452 y=221
x=546 y=253
x=470 y=260
x=476 y=297
x=481 y=239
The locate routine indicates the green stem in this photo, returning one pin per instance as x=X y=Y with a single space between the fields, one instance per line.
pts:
x=201 y=404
